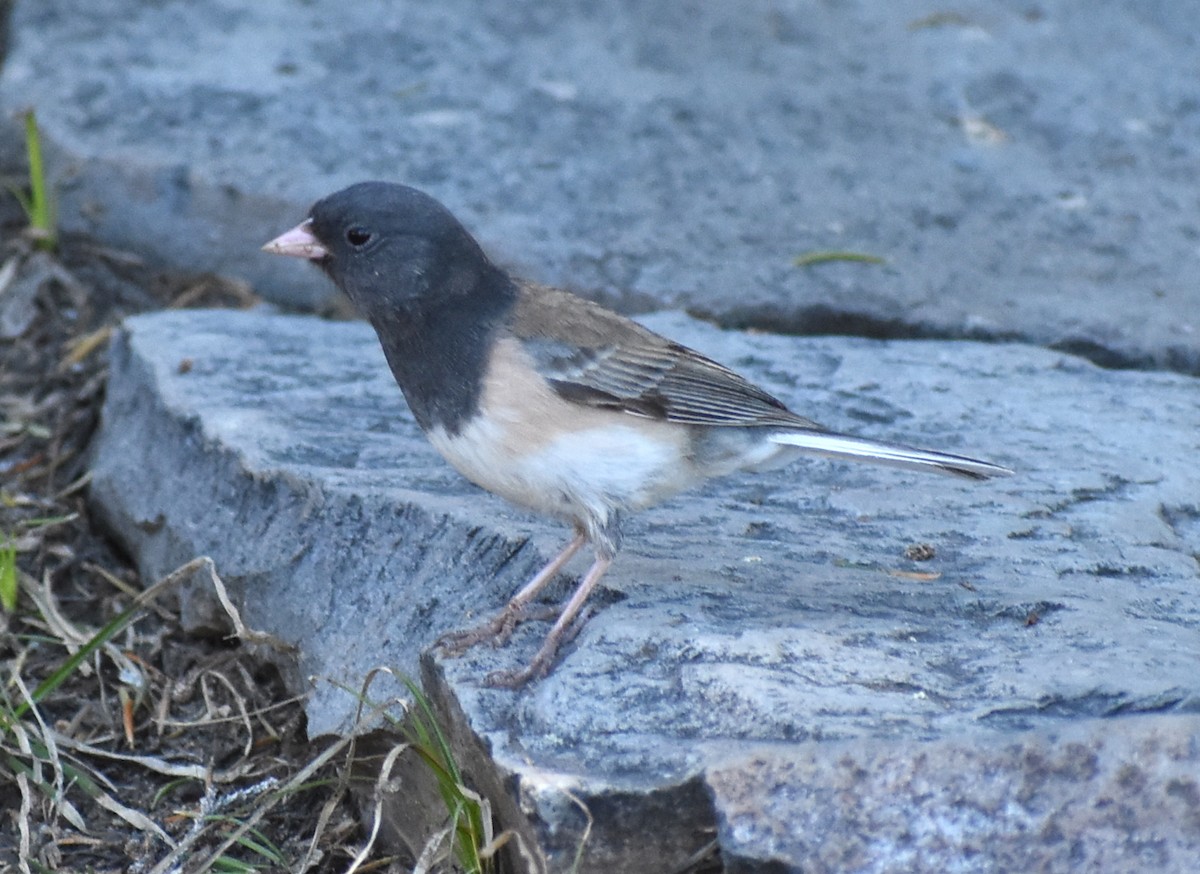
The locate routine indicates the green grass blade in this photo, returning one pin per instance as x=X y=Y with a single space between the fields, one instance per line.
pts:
x=232 y=866
x=8 y=576
x=40 y=207
x=820 y=257
x=430 y=743
x=422 y=731
x=68 y=667
x=253 y=840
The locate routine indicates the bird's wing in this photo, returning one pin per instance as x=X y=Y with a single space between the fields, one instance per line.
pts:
x=592 y=356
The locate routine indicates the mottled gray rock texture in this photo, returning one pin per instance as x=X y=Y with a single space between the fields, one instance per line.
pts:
x=765 y=664
x=1122 y=795
x=1028 y=171
x=763 y=609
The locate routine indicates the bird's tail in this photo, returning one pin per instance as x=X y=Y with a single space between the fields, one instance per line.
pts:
x=843 y=446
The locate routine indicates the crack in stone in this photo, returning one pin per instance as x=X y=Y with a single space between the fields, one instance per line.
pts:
x=1114 y=487
x=1184 y=522
x=1096 y=703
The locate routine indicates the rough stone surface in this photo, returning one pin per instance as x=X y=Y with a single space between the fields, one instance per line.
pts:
x=1027 y=170
x=773 y=609
x=765 y=663
x=1122 y=795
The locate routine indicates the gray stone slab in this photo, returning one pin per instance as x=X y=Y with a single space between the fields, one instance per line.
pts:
x=1028 y=171
x=761 y=609
x=1122 y=795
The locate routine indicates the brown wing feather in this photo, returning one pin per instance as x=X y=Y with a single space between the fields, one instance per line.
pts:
x=595 y=357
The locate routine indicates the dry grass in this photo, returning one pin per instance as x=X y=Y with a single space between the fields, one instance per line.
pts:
x=126 y=745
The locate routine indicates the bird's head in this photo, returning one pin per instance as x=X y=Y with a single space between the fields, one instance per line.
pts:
x=388 y=247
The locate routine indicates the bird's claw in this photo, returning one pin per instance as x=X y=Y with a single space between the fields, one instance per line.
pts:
x=455 y=643
x=515 y=679
x=542 y=662
x=496 y=630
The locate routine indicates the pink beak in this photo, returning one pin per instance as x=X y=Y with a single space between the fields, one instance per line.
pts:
x=298 y=242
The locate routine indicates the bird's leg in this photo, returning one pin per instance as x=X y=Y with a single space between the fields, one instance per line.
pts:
x=501 y=626
x=540 y=665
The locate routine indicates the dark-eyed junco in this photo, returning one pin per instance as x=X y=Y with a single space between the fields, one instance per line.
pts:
x=547 y=399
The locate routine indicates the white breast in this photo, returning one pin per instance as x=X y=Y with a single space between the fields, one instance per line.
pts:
x=573 y=474
x=580 y=463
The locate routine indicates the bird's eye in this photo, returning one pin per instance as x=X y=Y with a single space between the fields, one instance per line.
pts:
x=358 y=236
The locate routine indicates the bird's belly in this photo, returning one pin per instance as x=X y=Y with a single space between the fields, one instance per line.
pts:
x=583 y=473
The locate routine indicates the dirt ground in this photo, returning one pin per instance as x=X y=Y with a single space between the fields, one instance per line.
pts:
x=149 y=751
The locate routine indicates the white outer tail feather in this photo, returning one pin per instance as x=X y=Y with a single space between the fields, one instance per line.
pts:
x=843 y=446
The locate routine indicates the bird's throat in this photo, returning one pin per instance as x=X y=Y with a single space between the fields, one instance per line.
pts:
x=439 y=354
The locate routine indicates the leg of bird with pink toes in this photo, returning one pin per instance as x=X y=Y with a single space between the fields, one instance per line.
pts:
x=541 y=663
x=498 y=629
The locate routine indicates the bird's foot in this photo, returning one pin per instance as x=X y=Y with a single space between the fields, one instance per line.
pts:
x=516 y=679
x=455 y=643
x=496 y=630
x=541 y=663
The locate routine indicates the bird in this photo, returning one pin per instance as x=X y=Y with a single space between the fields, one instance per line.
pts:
x=547 y=399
